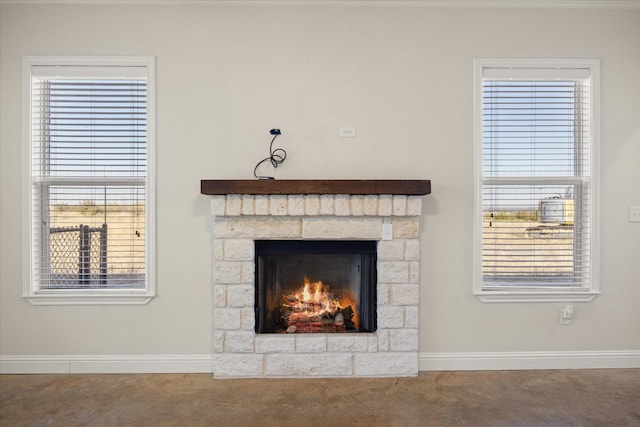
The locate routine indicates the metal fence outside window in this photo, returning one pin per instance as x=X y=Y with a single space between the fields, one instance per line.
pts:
x=78 y=256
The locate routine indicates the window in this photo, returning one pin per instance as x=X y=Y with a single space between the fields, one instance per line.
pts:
x=536 y=145
x=89 y=172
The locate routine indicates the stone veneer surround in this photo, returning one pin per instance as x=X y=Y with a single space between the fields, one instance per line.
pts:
x=239 y=220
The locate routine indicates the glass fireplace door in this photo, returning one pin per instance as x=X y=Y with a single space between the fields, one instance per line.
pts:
x=315 y=286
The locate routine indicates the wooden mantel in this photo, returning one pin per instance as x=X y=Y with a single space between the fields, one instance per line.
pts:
x=407 y=187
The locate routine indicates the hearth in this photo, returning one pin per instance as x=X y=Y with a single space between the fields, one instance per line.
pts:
x=325 y=286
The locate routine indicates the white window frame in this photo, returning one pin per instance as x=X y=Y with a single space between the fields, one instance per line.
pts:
x=30 y=288
x=535 y=293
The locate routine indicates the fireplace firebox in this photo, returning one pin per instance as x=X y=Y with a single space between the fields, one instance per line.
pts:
x=315 y=286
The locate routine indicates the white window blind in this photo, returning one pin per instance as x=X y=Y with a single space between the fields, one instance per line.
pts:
x=536 y=177
x=89 y=146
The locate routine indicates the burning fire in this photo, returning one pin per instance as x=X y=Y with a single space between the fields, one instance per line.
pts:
x=312 y=306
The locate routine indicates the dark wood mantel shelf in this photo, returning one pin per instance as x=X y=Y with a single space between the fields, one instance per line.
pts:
x=407 y=187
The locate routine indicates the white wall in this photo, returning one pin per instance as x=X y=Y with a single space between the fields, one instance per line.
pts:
x=402 y=76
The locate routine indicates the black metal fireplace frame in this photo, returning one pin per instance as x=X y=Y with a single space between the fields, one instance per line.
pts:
x=266 y=250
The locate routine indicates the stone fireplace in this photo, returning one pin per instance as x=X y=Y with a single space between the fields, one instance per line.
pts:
x=384 y=212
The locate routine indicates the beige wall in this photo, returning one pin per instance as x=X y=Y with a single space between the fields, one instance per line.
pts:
x=402 y=76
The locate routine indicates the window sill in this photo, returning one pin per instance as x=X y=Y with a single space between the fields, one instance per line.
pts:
x=93 y=298
x=492 y=296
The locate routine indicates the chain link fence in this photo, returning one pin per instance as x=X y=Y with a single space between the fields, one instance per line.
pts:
x=78 y=256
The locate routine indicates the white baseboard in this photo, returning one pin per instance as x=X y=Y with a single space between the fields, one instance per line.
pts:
x=496 y=361
x=107 y=364
x=202 y=363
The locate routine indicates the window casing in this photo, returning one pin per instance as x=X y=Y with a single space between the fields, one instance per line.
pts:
x=89 y=180
x=536 y=151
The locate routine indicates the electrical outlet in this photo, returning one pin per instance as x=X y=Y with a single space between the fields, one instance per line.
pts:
x=387 y=231
x=634 y=214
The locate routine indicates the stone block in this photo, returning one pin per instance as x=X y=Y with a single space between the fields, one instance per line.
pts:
x=326 y=204
x=341 y=228
x=370 y=205
x=412 y=249
x=227 y=272
x=414 y=206
x=408 y=294
x=399 y=205
x=383 y=340
x=414 y=272
x=386 y=364
x=275 y=343
x=295 y=205
x=240 y=296
x=257 y=227
x=393 y=271
x=312 y=204
x=405 y=228
x=404 y=340
x=411 y=317
x=347 y=342
x=218 y=341
x=239 y=341
x=373 y=343
x=390 y=317
x=308 y=365
x=390 y=250
x=385 y=205
x=218 y=204
x=311 y=343
x=342 y=205
x=278 y=205
x=247 y=318
x=226 y=318
x=238 y=249
x=383 y=294
x=357 y=205
x=234 y=205
x=218 y=249
x=248 y=273
x=261 y=205
x=248 y=207
x=220 y=296
x=234 y=365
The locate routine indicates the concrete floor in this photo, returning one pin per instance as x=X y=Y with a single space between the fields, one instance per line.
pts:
x=499 y=398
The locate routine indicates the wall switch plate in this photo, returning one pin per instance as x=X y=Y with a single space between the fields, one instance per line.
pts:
x=634 y=214
x=347 y=132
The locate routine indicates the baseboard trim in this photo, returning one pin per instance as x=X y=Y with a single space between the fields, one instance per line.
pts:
x=107 y=364
x=202 y=363
x=529 y=360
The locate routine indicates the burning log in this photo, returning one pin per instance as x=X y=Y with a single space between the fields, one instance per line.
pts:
x=313 y=309
x=348 y=313
x=307 y=327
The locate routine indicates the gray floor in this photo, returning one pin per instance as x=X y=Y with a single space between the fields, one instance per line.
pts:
x=500 y=398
